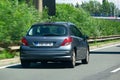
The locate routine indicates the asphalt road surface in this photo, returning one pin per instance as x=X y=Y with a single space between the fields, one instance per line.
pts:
x=104 y=65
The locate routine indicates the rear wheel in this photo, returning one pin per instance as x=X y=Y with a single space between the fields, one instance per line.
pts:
x=25 y=64
x=73 y=61
x=86 y=60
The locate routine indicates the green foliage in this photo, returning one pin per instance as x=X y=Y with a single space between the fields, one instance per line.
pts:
x=100 y=27
x=109 y=27
x=106 y=7
x=15 y=19
x=5 y=54
x=95 y=8
x=90 y=26
x=69 y=13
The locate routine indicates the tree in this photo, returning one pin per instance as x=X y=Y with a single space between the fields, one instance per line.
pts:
x=105 y=8
x=112 y=9
x=77 y=5
x=93 y=7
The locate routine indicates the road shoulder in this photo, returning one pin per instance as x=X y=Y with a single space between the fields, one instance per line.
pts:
x=5 y=62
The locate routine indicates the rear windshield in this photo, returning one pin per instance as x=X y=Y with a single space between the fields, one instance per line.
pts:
x=47 y=30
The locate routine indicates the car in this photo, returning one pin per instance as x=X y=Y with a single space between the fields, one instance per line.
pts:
x=54 y=42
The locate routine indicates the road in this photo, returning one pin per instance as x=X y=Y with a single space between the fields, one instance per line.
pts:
x=104 y=65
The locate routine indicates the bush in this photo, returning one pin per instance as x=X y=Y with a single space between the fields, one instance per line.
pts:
x=90 y=26
x=15 y=19
x=5 y=54
x=68 y=13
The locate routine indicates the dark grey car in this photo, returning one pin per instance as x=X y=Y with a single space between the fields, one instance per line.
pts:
x=55 y=41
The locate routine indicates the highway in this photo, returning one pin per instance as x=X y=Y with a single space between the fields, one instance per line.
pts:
x=104 y=65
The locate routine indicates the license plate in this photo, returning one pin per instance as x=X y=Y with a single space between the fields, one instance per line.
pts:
x=42 y=44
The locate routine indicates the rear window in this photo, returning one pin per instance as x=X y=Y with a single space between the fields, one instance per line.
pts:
x=47 y=30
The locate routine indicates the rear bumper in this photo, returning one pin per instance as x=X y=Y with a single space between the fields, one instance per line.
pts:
x=46 y=55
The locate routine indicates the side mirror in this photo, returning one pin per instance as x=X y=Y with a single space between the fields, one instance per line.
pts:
x=85 y=37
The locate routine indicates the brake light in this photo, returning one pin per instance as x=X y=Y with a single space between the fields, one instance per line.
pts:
x=67 y=41
x=24 y=42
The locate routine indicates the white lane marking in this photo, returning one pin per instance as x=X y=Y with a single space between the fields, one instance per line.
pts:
x=2 y=67
x=105 y=47
x=116 y=70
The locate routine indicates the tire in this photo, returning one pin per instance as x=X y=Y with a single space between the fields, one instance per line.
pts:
x=73 y=60
x=25 y=64
x=86 y=60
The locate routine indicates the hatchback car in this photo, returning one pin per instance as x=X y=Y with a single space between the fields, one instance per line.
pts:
x=54 y=41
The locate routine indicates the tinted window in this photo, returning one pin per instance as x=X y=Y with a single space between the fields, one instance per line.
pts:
x=75 y=31
x=47 y=30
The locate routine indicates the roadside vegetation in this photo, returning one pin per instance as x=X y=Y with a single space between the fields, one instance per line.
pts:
x=6 y=54
x=95 y=8
x=16 y=18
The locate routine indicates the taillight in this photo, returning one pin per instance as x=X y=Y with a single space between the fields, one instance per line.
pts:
x=67 y=41
x=24 y=42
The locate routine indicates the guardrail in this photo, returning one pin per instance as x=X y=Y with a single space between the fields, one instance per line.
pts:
x=101 y=39
x=91 y=40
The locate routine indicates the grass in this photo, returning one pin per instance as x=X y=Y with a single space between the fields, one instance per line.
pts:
x=6 y=55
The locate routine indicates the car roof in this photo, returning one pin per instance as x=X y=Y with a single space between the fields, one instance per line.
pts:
x=54 y=23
